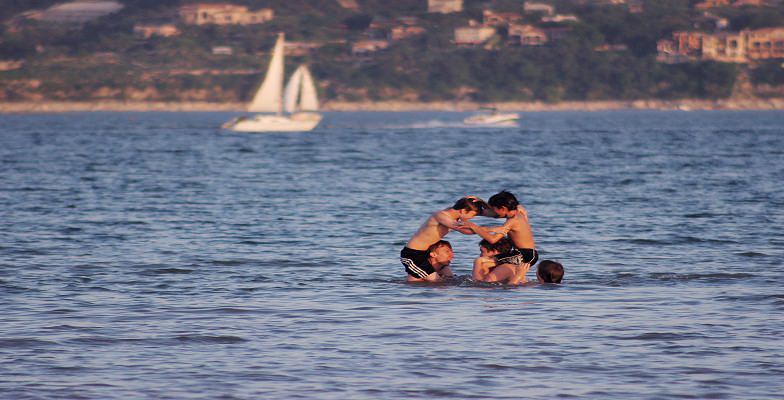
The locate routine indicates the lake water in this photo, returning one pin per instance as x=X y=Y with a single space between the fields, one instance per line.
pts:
x=152 y=255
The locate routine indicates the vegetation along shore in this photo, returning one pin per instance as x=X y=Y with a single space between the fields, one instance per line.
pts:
x=373 y=54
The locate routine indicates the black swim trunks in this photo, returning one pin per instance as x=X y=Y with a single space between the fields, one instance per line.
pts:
x=416 y=262
x=518 y=257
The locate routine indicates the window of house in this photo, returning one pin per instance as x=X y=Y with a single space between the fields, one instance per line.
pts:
x=734 y=44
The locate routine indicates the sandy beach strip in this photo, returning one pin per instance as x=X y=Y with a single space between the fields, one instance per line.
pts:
x=401 y=106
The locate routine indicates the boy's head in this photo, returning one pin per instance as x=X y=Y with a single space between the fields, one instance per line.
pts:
x=504 y=245
x=469 y=207
x=549 y=271
x=503 y=201
x=440 y=253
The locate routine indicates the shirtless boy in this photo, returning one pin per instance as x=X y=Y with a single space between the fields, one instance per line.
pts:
x=416 y=255
x=516 y=227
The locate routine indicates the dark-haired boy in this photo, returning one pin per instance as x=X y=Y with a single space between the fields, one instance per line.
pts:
x=415 y=256
x=516 y=227
x=549 y=271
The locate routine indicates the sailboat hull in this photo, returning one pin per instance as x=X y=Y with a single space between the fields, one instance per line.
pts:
x=298 y=122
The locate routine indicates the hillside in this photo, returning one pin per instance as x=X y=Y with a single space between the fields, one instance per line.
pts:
x=607 y=53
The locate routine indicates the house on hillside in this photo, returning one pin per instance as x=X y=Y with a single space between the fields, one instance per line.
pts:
x=222 y=51
x=493 y=18
x=444 y=6
x=364 y=47
x=76 y=12
x=473 y=35
x=300 y=48
x=610 y=48
x=708 y=4
x=10 y=65
x=765 y=43
x=531 y=7
x=349 y=4
x=736 y=47
x=401 y=32
x=682 y=47
x=561 y=18
x=724 y=47
x=748 y=3
x=146 y=31
x=527 y=35
x=223 y=14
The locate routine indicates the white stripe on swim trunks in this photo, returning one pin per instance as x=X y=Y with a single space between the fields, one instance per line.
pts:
x=413 y=267
x=416 y=269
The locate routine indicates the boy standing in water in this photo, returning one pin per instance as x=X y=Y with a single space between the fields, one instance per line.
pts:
x=416 y=256
x=516 y=227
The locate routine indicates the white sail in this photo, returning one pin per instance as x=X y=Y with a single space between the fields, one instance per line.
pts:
x=309 y=97
x=292 y=93
x=268 y=97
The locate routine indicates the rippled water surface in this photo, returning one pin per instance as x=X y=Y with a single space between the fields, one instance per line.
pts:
x=148 y=255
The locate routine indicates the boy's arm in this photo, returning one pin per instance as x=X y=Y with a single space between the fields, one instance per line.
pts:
x=490 y=233
x=480 y=269
x=434 y=277
x=451 y=223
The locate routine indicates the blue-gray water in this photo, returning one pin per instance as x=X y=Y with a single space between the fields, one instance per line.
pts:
x=147 y=255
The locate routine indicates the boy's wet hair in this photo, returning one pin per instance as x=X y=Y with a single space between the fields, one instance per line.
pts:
x=438 y=244
x=502 y=246
x=470 y=204
x=550 y=271
x=504 y=199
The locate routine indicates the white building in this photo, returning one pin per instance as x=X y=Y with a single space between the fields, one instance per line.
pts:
x=472 y=35
x=223 y=14
x=77 y=11
x=531 y=7
x=444 y=6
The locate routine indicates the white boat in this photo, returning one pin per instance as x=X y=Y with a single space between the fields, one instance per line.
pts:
x=491 y=117
x=291 y=110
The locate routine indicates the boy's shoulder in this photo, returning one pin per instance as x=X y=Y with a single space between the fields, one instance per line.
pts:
x=485 y=260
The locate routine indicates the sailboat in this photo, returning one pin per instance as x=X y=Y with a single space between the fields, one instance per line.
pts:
x=293 y=109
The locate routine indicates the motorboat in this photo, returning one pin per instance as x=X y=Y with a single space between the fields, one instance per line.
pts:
x=492 y=117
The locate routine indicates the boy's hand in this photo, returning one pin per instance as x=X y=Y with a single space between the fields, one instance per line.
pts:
x=467 y=224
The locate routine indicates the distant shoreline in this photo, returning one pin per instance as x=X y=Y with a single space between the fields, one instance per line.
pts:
x=401 y=106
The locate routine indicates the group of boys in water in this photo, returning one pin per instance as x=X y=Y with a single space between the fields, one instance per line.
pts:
x=507 y=252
